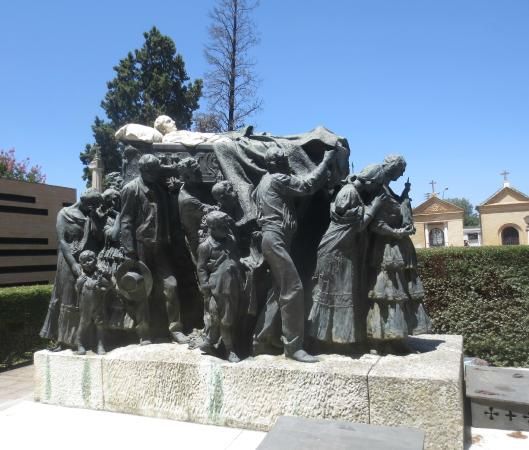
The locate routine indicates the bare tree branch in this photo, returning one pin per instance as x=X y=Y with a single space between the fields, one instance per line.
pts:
x=231 y=84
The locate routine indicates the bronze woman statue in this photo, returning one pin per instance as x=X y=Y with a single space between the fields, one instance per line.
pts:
x=77 y=230
x=338 y=313
x=395 y=290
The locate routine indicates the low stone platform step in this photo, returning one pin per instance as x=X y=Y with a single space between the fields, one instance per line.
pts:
x=422 y=390
x=296 y=433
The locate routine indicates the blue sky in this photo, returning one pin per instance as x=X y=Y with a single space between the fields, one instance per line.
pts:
x=445 y=83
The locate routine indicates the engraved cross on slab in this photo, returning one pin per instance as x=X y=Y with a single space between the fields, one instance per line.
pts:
x=510 y=415
x=491 y=413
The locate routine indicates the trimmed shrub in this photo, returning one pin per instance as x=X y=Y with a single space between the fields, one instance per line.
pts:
x=22 y=313
x=479 y=292
x=483 y=294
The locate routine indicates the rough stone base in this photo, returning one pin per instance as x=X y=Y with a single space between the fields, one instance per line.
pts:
x=167 y=380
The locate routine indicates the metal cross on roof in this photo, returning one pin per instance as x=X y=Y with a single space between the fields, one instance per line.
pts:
x=433 y=183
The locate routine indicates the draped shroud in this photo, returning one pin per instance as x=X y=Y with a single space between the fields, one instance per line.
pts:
x=241 y=158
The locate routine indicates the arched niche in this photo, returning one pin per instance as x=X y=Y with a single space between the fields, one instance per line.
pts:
x=510 y=235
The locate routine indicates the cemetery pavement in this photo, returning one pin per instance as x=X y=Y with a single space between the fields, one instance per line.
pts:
x=17 y=409
x=16 y=385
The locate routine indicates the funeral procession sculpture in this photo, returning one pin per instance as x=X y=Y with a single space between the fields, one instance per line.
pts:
x=239 y=244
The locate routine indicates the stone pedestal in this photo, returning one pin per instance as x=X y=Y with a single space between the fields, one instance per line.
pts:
x=167 y=380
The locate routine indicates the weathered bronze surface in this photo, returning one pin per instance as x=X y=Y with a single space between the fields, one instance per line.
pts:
x=242 y=243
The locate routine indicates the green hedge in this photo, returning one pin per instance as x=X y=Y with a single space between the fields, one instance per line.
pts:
x=22 y=313
x=483 y=294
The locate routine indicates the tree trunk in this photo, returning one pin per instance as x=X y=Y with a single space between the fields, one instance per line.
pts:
x=233 y=56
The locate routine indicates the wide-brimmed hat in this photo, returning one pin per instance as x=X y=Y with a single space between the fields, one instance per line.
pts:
x=132 y=275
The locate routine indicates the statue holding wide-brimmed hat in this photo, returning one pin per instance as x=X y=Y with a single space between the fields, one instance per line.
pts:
x=134 y=285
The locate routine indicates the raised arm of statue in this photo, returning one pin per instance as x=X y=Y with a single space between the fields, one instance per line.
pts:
x=302 y=186
x=405 y=191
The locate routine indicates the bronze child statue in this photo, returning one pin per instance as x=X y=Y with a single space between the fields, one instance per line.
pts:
x=91 y=287
x=219 y=277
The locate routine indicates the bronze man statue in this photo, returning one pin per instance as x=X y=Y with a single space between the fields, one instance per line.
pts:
x=145 y=236
x=276 y=216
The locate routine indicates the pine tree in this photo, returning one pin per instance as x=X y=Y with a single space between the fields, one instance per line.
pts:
x=149 y=82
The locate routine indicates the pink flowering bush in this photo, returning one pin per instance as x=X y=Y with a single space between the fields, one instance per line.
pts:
x=19 y=170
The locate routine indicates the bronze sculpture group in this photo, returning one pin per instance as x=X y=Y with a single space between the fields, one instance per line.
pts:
x=279 y=252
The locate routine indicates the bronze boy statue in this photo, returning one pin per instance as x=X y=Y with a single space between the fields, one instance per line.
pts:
x=91 y=288
x=220 y=282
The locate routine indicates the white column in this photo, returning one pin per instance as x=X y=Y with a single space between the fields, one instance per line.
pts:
x=426 y=237
x=97 y=168
x=445 y=231
x=97 y=179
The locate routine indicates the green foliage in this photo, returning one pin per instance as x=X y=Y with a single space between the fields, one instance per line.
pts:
x=14 y=169
x=149 y=82
x=483 y=294
x=22 y=313
x=470 y=219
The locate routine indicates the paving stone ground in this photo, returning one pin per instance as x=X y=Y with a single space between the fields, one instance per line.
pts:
x=41 y=426
x=16 y=385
